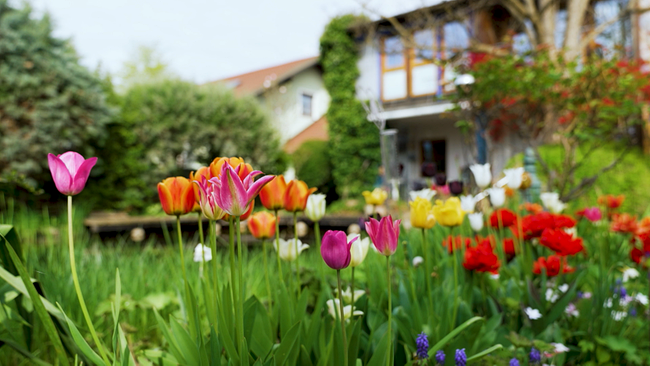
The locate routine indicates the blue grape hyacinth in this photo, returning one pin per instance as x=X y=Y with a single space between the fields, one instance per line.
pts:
x=461 y=357
x=440 y=357
x=423 y=346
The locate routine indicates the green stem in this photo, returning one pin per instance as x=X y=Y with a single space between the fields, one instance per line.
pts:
x=266 y=270
x=213 y=248
x=180 y=246
x=277 y=244
x=342 y=317
x=77 y=287
x=242 y=289
x=390 y=313
x=427 y=272
x=201 y=228
x=320 y=263
x=295 y=236
x=233 y=275
x=455 y=259
x=352 y=289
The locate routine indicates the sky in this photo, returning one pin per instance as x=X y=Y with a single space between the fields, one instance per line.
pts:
x=202 y=40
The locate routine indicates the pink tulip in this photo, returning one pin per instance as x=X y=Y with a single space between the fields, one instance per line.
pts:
x=234 y=194
x=208 y=199
x=593 y=214
x=335 y=249
x=70 y=171
x=384 y=234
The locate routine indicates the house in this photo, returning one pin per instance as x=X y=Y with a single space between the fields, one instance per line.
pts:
x=413 y=81
x=294 y=95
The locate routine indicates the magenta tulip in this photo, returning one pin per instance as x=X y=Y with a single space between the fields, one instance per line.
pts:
x=593 y=214
x=208 y=199
x=70 y=171
x=384 y=234
x=234 y=194
x=335 y=249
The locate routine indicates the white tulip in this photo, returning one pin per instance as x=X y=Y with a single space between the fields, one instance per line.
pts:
x=315 y=208
x=482 y=174
x=497 y=196
x=358 y=249
x=629 y=273
x=289 y=249
x=334 y=308
x=467 y=203
x=426 y=193
x=417 y=261
x=201 y=252
x=551 y=201
x=347 y=295
x=476 y=221
x=514 y=177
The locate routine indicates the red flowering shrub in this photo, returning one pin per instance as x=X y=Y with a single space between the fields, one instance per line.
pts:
x=561 y=242
x=481 y=258
x=551 y=265
x=504 y=217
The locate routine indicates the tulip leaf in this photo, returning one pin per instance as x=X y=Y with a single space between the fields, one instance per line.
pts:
x=167 y=334
x=9 y=236
x=260 y=326
x=288 y=348
x=25 y=353
x=81 y=343
x=186 y=345
x=441 y=343
x=381 y=352
x=353 y=344
x=484 y=353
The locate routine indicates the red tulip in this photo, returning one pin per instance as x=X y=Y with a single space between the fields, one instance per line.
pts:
x=456 y=242
x=295 y=197
x=624 y=223
x=176 y=195
x=481 y=258
x=552 y=265
x=611 y=201
x=70 y=171
x=262 y=225
x=503 y=218
x=509 y=248
x=561 y=242
x=335 y=249
x=384 y=234
x=272 y=195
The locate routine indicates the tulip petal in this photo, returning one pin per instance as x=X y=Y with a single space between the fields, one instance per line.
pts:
x=255 y=189
x=82 y=174
x=235 y=192
x=60 y=174
x=166 y=199
x=72 y=160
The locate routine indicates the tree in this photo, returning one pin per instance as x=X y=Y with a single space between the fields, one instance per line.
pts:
x=49 y=103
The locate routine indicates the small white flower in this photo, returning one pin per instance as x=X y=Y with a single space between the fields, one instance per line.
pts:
x=417 y=261
x=626 y=300
x=514 y=177
x=629 y=273
x=426 y=193
x=608 y=303
x=333 y=307
x=497 y=196
x=476 y=221
x=643 y=299
x=482 y=174
x=467 y=203
x=571 y=310
x=586 y=295
x=494 y=276
x=201 y=252
x=564 y=287
x=551 y=295
x=560 y=348
x=551 y=201
x=533 y=314
x=619 y=315
x=347 y=295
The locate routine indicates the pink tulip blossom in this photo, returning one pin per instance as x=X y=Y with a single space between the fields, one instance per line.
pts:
x=70 y=171
x=208 y=199
x=384 y=234
x=234 y=194
x=593 y=214
x=335 y=249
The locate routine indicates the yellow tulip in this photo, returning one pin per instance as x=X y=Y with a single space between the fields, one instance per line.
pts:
x=376 y=197
x=422 y=213
x=448 y=213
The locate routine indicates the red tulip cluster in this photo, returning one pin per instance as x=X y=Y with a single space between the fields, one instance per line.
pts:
x=561 y=242
x=624 y=223
x=481 y=258
x=534 y=225
x=553 y=265
x=503 y=218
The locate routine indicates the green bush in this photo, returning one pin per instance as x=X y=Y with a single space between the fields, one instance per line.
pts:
x=167 y=126
x=49 y=103
x=312 y=163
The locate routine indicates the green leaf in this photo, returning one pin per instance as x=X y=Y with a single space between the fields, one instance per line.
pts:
x=50 y=330
x=484 y=353
x=441 y=343
x=9 y=236
x=288 y=347
x=18 y=348
x=186 y=345
x=381 y=352
x=81 y=342
x=16 y=283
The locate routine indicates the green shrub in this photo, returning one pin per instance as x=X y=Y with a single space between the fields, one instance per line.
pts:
x=312 y=164
x=49 y=103
x=167 y=127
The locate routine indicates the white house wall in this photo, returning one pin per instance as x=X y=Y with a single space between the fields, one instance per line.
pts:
x=368 y=85
x=286 y=107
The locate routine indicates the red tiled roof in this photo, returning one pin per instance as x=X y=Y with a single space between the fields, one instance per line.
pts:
x=253 y=82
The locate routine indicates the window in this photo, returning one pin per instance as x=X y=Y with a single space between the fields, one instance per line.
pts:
x=393 y=79
x=456 y=40
x=424 y=73
x=306 y=104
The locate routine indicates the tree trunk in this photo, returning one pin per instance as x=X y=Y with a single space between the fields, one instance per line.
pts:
x=576 y=10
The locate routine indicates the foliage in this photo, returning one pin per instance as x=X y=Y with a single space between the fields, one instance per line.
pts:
x=49 y=103
x=168 y=127
x=312 y=163
x=354 y=142
x=145 y=67
x=540 y=99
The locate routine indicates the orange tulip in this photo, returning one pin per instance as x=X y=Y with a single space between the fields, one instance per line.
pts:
x=201 y=172
x=611 y=201
x=295 y=197
x=262 y=225
x=624 y=223
x=272 y=194
x=215 y=166
x=176 y=195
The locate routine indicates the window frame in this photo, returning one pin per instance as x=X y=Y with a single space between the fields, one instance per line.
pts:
x=385 y=69
x=304 y=94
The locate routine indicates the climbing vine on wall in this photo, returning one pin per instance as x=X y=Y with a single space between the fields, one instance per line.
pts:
x=354 y=142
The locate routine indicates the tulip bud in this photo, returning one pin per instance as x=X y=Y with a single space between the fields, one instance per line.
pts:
x=354 y=229
x=295 y=197
x=455 y=187
x=358 y=249
x=514 y=177
x=315 y=209
x=376 y=197
x=526 y=181
x=497 y=196
x=417 y=261
x=426 y=193
x=467 y=203
x=201 y=253
x=441 y=179
x=476 y=221
x=335 y=249
x=176 y=195
x=384 y=234
x=422 y=214
x=70 y=171
x=289 y=250
x=262 y=225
